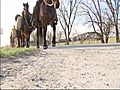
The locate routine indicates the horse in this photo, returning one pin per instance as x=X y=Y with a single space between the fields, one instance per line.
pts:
x=23 y=27
x=27 y=27
x=45 y=14
x=17 y=32
x=16 y=38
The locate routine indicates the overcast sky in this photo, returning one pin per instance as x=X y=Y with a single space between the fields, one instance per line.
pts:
x=9 y=8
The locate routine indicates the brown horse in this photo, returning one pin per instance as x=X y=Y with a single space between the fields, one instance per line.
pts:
x=27 y=27
x=45 y=14
x=16 y=38
x=23 y=27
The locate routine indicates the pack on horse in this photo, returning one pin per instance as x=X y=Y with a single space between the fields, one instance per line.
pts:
x=44 y=14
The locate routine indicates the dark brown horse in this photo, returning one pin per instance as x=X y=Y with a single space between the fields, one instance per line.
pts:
x=27 y=26
x=45 y=14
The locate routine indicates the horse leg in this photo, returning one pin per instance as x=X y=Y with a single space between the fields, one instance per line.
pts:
x=45 y=46
x=28 y=40
x=38 y=37
x=11 y=41
x=41 y=37
x=23 y=40
x=18 y=42
x=18 y=37
x=54 y=36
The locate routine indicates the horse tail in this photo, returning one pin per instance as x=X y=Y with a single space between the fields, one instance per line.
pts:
x=16 y=17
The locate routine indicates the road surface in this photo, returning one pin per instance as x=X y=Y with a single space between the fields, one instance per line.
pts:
x=63 y=68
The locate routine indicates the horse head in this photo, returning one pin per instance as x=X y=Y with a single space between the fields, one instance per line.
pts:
x=25 y=8
x=27 y=16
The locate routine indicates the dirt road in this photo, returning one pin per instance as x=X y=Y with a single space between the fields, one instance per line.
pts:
x=63 y=69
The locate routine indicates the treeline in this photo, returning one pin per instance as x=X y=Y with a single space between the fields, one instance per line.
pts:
x=102 y=15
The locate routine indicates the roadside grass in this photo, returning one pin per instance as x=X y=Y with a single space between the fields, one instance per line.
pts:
x=8 y=51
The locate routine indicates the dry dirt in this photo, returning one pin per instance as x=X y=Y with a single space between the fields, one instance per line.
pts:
x=62 y=69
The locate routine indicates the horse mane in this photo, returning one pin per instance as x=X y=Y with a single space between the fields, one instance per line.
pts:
x=16 y=17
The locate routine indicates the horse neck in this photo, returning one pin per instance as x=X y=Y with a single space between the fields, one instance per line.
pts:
x=45 y=8
x=27 y=16
x=26 y=13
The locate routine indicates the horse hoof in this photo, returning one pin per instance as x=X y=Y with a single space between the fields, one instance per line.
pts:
x=45 y=47
x=38 y=47
x=53 y=45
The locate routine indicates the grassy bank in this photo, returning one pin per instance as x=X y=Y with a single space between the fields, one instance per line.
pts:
x=8 y=51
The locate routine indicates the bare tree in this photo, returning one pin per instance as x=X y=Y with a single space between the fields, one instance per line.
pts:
x=107 y=25
x=98 y=15
x=89 y=16
x=67 y=15
x=114 y=7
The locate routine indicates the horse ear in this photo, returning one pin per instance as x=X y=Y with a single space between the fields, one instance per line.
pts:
x=27 y=4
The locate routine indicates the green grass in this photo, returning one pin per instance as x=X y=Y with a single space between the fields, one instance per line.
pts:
x=8 y=51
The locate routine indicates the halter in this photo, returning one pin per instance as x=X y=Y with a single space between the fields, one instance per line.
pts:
x=48 y=3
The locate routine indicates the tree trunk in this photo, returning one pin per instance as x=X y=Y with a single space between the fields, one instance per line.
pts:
x=68 y=40
x=102 y=39
x=106 y=39
x=117 y=33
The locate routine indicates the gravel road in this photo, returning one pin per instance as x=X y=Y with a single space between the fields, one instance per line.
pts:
x=76 y=68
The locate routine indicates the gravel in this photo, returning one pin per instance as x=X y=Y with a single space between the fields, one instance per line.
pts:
x=62 y=69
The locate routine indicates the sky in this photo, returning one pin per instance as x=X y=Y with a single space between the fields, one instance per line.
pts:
x=9 y=8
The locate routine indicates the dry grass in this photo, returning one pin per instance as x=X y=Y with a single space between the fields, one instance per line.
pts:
x=111 y=40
